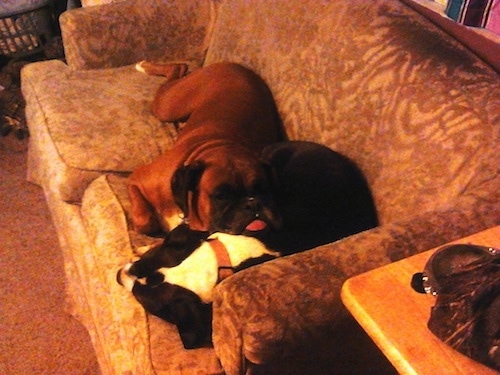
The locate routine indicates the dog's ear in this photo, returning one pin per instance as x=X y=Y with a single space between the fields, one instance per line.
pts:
x=277 y=157
x=184 y=180
x=181 y=307
x=179 y=244
x=182 y=237
x=193 y=320
x=273 y=178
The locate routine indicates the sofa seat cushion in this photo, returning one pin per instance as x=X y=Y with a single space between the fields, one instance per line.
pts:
x=95 y=121
x=113 y=243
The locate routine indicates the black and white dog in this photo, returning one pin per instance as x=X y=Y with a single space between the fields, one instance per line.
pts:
x=322 y=197
x=175 y=281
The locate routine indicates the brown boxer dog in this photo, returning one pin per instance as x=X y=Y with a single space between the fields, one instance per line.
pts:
x=212 y=177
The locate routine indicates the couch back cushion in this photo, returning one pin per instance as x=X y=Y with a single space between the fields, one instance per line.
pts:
x=379 y=83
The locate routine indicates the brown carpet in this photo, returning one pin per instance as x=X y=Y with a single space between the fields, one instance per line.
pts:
x=37 y=336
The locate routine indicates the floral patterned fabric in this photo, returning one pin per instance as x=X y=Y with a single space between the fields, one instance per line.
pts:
x=120 y=121
x=147 y=337
x=88 y=3
x=125 y=32
x=418 y=112
x=273 y=311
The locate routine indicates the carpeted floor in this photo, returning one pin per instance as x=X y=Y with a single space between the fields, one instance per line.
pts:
x=37 y=336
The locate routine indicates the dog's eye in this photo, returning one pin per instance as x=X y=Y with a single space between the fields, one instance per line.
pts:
x=260 y=188
x=223 y=194
x=154 y=279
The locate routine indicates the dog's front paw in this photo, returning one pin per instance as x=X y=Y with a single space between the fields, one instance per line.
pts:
x=144 y=67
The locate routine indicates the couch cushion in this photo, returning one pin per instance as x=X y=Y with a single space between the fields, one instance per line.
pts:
x=104 y=212
x=378 y=82
x=96 y=121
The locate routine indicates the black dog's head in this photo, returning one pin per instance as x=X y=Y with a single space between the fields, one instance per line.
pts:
x=179 y=243
x=232 y=195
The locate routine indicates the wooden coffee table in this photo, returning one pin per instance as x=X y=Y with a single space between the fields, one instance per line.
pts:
x=395 y=316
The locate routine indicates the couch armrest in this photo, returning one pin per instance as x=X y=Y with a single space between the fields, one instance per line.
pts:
x=123 y=33
x=271 y=313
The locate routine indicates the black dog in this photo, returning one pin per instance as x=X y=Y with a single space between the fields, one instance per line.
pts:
x=175 y=281
x=322 y=196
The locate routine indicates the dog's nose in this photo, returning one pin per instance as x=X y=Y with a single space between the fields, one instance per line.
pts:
x=124 y=278
x=253 y=204
x=155 y=279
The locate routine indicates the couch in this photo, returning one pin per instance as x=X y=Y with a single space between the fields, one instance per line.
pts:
x=374 y=80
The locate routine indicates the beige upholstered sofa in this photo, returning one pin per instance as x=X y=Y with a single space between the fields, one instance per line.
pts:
x=375 y=80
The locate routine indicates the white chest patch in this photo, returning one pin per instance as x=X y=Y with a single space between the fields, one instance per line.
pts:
x=199 y=272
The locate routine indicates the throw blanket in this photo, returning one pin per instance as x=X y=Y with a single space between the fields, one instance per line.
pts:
x=477 y=13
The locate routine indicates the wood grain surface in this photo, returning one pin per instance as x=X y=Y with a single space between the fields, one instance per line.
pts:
x=395 y=316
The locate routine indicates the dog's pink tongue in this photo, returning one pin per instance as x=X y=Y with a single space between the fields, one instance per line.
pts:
x=256 y=225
